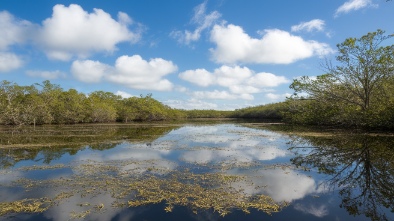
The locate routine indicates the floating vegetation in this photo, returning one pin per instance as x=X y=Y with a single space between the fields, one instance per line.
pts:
x=45 y=167
x=24 y=206
x=190 y=168
x=178 y=188
x=200 y=192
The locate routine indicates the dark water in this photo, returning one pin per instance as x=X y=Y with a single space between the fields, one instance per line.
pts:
x=194 y=172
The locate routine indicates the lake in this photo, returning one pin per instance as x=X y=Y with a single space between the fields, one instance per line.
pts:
x=194 y=171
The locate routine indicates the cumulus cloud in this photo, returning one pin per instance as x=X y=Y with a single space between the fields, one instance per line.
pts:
x=89 y=71
x=201 y=77
x=9 y=61
x=313 y=25
x=353 y=5
x=138 y=73
x=275 y=46
x=71 y=31
x=131 y=71
x=240 y=81
x=266 y=80
x=13 y=30
x=46 y=74
x=203 y=22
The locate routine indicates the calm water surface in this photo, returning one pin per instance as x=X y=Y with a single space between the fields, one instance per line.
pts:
x=194 y=172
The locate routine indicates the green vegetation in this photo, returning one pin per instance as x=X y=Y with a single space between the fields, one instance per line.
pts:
x=199 y=192
x=357 y=92
x=208 y=114
x=270 y=112
x=47 y=103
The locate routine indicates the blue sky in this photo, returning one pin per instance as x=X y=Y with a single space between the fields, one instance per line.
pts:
x=213 y=54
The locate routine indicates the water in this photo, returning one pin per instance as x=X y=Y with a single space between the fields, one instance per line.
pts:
x=194 y=172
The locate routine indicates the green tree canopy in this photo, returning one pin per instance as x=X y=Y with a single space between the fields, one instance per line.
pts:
x=364 y=67
x=359 y=84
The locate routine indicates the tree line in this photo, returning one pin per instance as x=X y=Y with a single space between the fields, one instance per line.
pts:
x=48 y=103
x=357 y=89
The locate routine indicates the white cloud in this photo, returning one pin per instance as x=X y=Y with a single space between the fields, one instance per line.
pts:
x=12 y=30
x=89 y=71
x=131 y=71
x=277 y=97
x=191 y=104
x=9 y=61
x=203 y=20
x=275 y=46
x=200 y=77
x=71 y=31
x=194 y=103
x=241 y=82
x=313 y=25
x=244 y=89
x=137 y=73
x=222 y=95
x=227 y=76
x=46 y=74
x=267 y=80
x=124 y=94
x=354 y=5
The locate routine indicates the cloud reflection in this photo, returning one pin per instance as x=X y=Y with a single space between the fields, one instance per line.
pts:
x=280 y=184
x=196 y=145
x=318 y=211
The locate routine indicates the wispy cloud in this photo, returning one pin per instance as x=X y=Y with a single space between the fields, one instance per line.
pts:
x=353 y=5
x=203 y=22
x=46 y=74
x=191 y=104
x=318 y=211
x=313 y=25
x=221 y=95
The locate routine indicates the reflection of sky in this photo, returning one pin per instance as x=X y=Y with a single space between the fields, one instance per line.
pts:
x=280 y=184
x=200 y=144
x=232 y=143
x=318 y=211
x=191 y=145
x=241 y=154
x=138 y=160
x=72 y=204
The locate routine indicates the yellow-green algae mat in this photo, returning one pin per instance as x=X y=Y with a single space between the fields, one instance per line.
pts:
x=180 y=188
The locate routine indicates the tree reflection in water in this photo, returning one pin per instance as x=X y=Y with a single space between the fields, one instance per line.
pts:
x=52 y=142
x=361 y=166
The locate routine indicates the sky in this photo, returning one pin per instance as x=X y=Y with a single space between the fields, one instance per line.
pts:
x=189 y=54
